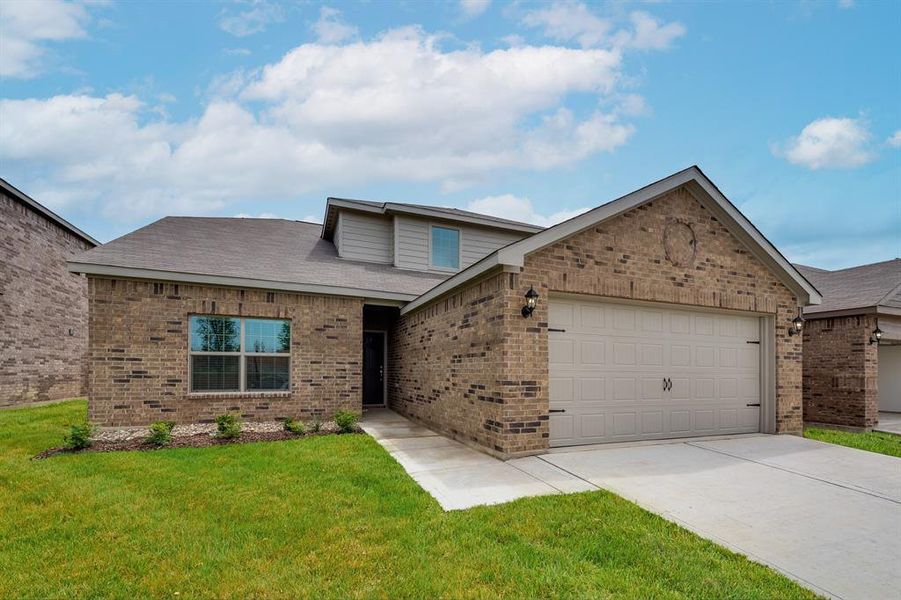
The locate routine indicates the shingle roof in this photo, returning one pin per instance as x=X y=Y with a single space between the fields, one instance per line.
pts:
x=266 y=250
x=866 y=286
x=440 y=212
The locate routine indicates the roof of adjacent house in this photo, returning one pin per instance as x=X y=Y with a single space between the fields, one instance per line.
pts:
x=868 y=288
x=420 y=210
x=263 y=253
x=39 y=208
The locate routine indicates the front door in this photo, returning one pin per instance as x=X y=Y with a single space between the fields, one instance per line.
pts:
x=373 y=368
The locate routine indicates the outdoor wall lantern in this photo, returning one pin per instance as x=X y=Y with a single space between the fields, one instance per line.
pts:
x=797 y=324
x=877 y=335
x=531 y=302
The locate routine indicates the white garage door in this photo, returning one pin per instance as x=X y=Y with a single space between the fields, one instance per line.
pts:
x=622 y=372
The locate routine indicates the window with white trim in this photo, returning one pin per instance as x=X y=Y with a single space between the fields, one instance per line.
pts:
x=232 y=354
x=445 y=250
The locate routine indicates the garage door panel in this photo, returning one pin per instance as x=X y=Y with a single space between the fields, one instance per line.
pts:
x=607 y=371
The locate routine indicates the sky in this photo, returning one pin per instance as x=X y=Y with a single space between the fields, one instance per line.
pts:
x=117 y=114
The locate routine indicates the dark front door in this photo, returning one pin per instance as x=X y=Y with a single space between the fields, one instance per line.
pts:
x=373 y=368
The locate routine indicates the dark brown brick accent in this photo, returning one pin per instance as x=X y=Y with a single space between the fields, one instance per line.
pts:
x=43 y=309
x=139 y=353
x=841 y=371
x=470 y=365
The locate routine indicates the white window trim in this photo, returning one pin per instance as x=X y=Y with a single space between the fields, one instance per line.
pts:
x=242 y=354
x=433 y=267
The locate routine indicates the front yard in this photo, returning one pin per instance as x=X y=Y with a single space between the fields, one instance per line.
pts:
x=874 y=441
x=320 y=517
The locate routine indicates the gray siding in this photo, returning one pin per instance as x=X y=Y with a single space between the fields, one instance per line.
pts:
x=412 y=242
x=365 y=237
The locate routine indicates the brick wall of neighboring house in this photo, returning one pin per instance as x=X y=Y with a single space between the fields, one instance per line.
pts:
x=840 y=371
x=43 y=308
x=138 y=353
x=470 y=365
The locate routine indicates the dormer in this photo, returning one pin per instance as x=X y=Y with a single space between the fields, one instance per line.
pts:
x=416 y=237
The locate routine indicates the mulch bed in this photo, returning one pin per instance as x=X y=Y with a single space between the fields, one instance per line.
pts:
x=200 y=440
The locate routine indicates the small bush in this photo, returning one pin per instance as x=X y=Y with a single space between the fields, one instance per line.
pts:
x=346 y=420
x=161 y=433
x=79 y=436
x=228 y=426
x=294 y=426
x=316 y=426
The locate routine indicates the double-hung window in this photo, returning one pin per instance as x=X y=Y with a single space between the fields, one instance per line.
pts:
x=231 y=354
x=445 y=250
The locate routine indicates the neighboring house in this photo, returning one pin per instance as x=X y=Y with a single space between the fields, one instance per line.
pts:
x=43 y=307
x=849 y=375
x=663 y=313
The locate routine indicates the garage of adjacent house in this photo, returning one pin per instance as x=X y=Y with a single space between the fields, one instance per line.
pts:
x=624 y=372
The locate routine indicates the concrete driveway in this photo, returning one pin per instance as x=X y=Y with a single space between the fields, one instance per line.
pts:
x=825 y=515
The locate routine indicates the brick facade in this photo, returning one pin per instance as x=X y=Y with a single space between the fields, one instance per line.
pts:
x=469 y=365
x=841 y=371
x=138 y=352
x=43 y=308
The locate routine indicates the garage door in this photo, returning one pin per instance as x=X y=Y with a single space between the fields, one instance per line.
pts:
x=622 y=372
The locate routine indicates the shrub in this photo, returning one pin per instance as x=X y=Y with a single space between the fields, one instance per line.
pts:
x=346 y=420
x=228 y=426
x=295 y=427
x=161 y=433
x=79 y=436
x=316 y=426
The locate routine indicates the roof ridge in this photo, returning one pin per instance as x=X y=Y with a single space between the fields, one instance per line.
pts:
x=890 y=293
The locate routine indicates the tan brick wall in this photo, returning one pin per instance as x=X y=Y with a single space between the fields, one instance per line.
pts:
x=40 y=302
x=139 y=352
x=841 y=371
x=506 y=354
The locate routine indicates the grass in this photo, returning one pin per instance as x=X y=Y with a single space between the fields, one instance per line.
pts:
x=874 y=441
x=318 y=518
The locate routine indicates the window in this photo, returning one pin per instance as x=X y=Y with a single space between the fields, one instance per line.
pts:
x=229 y=354
x=445 y=248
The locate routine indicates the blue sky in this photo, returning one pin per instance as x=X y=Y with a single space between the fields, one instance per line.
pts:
x=115 y=114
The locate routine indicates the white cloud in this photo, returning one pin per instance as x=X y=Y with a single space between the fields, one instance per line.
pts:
x=331 y=28
x=894 y=140
x=569 y=21
x=263 y=215
x=398 y=107
x=313 y=219
x=572 y=21
x=829 y=143
x=255 y=17
x=846 y=3
x=473 y=8
x=518 y=208
x=26 y=27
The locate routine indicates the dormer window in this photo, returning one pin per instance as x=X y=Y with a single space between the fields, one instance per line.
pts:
x=445 y=248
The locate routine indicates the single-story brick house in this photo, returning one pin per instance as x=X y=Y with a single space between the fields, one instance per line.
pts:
x=664 y=313
x=852 y=345
x=43 y=306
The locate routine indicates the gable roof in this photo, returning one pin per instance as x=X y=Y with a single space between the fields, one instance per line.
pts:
x=420 y=210
x=274 y=254
x=695 y=181
x=42 y=210
x=867 y=288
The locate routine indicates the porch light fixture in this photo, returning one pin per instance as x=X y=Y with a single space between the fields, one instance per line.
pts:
x=531 y=302
x=797 y=324
x=877 y=335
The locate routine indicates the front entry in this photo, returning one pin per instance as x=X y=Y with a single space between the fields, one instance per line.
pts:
x=374 y=368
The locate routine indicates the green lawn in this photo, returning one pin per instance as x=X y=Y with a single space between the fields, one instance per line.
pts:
x=874 y=441
x=320 y=517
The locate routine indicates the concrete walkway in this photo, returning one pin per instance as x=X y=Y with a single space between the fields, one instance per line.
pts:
x=825 y=515
x=459 y=477
x=889 y=422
